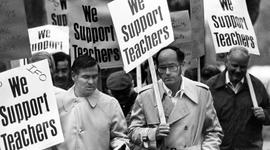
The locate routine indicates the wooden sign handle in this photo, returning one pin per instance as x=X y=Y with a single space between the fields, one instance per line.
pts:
x=251 y=91
x=156 y=90
x=139 y=77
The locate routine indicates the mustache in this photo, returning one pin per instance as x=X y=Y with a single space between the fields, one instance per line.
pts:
x=60 y=78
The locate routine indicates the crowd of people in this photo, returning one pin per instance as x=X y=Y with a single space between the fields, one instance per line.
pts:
x=216 y=113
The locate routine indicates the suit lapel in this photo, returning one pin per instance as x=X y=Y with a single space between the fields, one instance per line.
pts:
x=179 y=111
x=181 y=108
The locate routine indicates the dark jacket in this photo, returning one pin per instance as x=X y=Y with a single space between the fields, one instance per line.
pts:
x=241 y=129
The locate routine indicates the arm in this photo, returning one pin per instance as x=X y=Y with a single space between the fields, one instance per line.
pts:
x=138 y=131
x=262 y=112
x=212 y=130
x=265 y=105
x=119 y=139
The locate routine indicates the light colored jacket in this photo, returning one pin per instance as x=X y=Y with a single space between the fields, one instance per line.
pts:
x=193 y=120
x=93 y=123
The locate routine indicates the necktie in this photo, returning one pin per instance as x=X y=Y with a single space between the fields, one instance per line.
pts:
x=167 y=106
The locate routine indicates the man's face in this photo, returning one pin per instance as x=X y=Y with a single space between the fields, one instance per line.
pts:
x=237 y=67
x=169 y=68
x=86 y=81
x=62 y=72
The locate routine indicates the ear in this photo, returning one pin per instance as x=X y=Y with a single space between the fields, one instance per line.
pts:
x=226 y=61
x=73 y=76
x=180 y=69
x=109 y=92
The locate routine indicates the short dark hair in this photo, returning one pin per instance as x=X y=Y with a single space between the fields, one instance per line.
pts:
x=61 y=56
x=83 y=62
x=179 y=53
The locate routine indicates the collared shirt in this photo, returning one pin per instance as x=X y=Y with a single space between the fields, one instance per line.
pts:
x=91 y=123
x=58 y=90
x=178 y=95
x=242 y=129
x=235 y=88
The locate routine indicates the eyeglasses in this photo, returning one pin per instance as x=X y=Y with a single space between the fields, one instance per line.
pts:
x=171 y=68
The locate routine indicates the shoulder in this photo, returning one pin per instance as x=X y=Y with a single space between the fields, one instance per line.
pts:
x=212 y=80
x=145 y=89
x=62 y=94
x=202 y=85
x=108 y=102
x=195 y=84
x=146 y=96
x=105 y=98
x=256 y=81
x=58 y=90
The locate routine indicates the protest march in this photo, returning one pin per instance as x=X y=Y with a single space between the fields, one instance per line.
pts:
x=134 y=75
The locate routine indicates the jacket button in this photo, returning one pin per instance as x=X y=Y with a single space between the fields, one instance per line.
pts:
x=81 y=131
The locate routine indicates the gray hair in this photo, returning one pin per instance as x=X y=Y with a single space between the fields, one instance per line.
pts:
x=43 y=55
x=239 y=50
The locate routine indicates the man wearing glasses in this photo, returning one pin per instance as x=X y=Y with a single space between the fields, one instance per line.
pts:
x=188 y=106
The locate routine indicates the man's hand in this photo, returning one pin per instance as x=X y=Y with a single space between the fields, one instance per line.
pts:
x=259 y=113
x=162 y=131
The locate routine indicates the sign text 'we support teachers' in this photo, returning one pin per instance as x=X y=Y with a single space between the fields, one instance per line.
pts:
x=230 y=25
x=92 y=33
x=28 y=113
x=142 y=28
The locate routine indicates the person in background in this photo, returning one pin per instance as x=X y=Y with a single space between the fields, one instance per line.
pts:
x=191 y=73
x=206 y=73
x=62 y=74
x=90 y=119
x=41 y=55
x=241 y=122
x=209 y=71
x=3 y=67
x=188 y=107
x=120 y=86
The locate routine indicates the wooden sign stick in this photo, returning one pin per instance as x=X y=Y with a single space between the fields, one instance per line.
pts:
x=251 y=91
x=139 y=77
x=156 y=90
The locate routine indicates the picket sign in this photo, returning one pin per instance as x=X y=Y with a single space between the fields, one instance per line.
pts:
x=151 y=21
x=156 y=90
x=230 y=25
x=251 y=91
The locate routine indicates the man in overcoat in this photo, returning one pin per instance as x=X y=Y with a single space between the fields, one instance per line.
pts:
x=191 y=118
